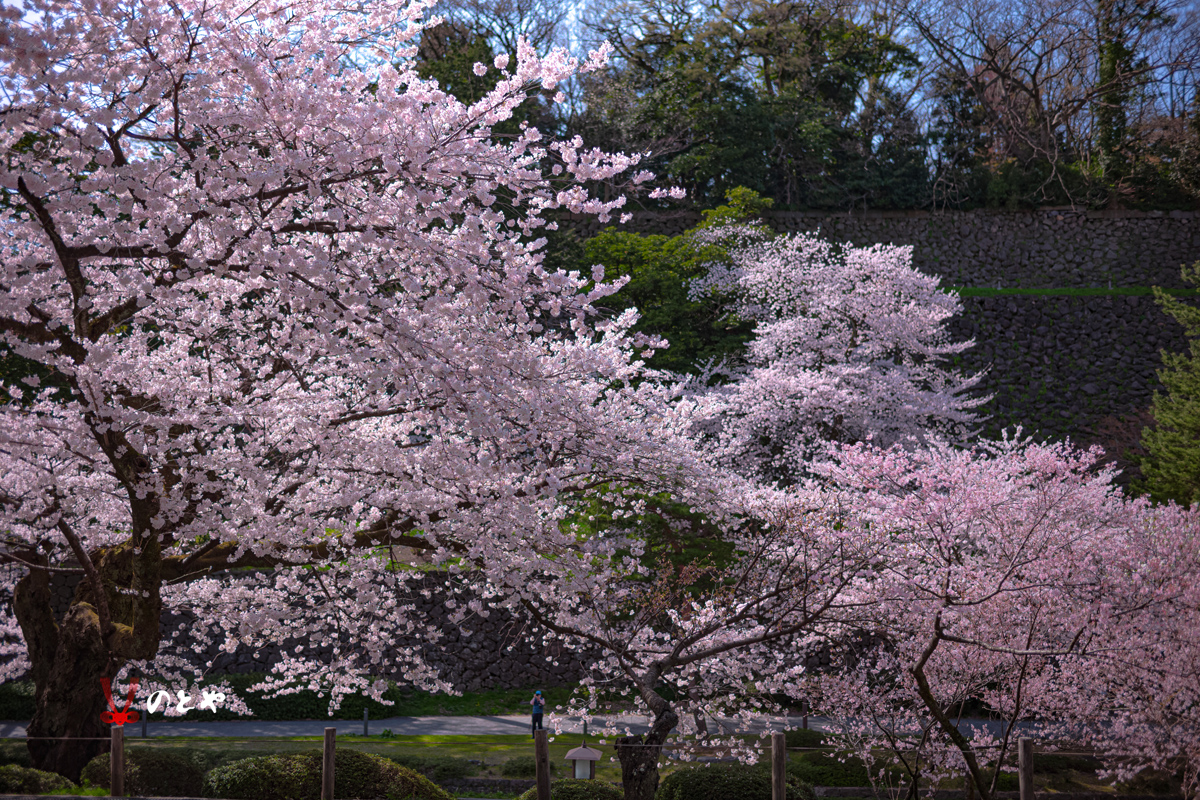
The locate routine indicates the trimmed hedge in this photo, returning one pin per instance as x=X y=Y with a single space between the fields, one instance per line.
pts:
x=17 y=703
x=266 y=777
x=804 y=737
x=24 y=780
x=150 y=772
x=298 y=777
x=724 y=781
x=439 y=769
x=822 y=767
x=523 y=767
x=572 y=789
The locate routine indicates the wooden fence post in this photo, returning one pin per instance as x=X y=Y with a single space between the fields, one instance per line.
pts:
x=541 y=758
x=365 y=721
x=116 y=762
x=778 y=766
x=327 y=764
x=1025 y=767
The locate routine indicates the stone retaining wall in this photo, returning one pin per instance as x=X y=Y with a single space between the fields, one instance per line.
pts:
x=1049 y=248
x=1058 y=365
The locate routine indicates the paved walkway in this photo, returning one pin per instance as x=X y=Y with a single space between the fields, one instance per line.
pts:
x=401 y=726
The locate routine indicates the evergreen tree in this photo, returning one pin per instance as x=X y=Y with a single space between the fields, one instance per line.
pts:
x=1172 y=468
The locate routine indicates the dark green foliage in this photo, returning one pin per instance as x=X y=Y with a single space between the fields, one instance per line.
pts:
x=673 y=534
x=15 y=370
x=724 y=781
x=1053 y=763
x=804 y=737
x=523 y=767
x=1009 y=782
x=301 y=705
x=298 y=777
x=439 y=769
x=821 y=768
x=308 y=704
x=1172 y=468
x=784 y=98
x=15 y=751
x=660 y=269
x=448 y=53
x=572 y=789
x=24 y=780
x=1121 y=78
x=1153 y=782
x=16 y=700
x=151 y=772
x=822 y=765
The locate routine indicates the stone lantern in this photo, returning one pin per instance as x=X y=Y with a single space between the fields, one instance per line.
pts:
x=584 y=759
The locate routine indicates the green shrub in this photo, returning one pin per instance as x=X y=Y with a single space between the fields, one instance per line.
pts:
x=1171 y=468
x=24 y=780
x=572 y=789
x=298 y=777
x=265 y=777
x=16 y=700
x=1008 y=782
x=523 y=767
x=803 y=737
x=1051 y=763
x=824 y=769
x=439 y=769
x=151 y=772
x=15 y=751
x=722 y=781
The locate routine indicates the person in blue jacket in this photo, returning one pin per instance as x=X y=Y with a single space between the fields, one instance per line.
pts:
x=539 y=704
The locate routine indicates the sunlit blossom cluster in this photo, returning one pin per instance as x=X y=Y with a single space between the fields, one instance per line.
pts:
x=850 y=345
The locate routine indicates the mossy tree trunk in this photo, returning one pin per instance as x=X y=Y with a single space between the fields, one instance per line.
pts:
x=97 y=636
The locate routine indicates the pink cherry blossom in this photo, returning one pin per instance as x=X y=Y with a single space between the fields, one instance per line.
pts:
x=850 y=345
x=291 y=307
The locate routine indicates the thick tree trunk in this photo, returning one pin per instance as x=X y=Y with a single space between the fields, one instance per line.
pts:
x=67 y=661
x=66 y=664
x=70 y=700
x=639 y=756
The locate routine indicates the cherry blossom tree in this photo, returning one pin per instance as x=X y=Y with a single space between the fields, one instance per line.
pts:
x=715 y=635
x=1147 y=713
x=279 y=302
x=1016 y=575
x=850 y=345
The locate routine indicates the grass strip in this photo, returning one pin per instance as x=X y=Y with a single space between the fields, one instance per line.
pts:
x=1071 y=291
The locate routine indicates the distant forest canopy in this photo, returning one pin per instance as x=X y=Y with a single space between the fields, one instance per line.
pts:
x=876 y=104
